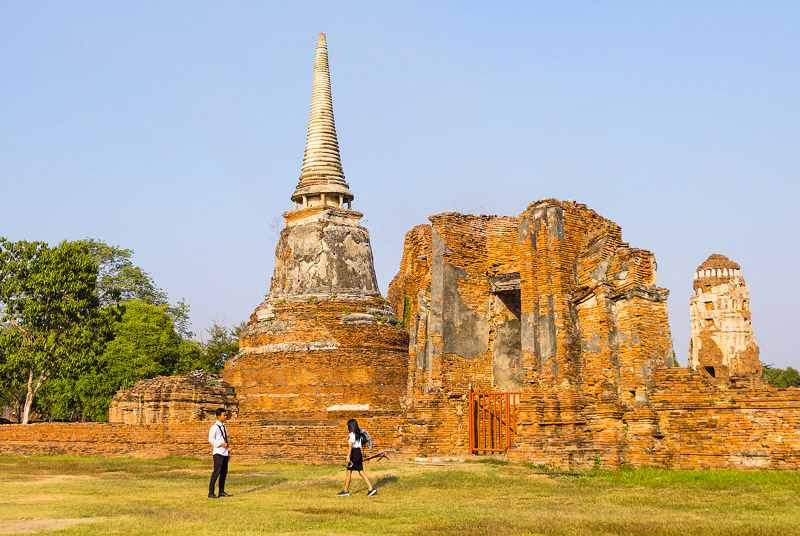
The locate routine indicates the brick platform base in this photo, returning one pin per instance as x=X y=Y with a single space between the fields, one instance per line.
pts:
x=688 y=424
x=309 y=442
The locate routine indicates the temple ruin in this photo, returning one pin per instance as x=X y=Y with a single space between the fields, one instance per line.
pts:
x=541 y=336
x=722 y=342
x=551 y=305
x=322 y=342
x=185 y=398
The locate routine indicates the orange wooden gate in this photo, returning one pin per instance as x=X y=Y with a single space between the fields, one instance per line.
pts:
x=492 y=421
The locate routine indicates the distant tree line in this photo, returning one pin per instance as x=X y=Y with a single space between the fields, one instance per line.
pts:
x=79 y=321
x=781 y=378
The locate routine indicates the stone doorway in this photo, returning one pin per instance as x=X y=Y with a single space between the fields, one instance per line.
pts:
x=507 y=371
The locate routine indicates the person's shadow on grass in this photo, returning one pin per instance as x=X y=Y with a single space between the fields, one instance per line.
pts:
x=275 y=482
x=382 y=481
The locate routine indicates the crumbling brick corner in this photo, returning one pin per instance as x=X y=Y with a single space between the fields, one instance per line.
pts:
x=173 y=399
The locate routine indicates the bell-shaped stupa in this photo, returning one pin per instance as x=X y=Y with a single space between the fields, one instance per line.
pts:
x=323 y=344
x=324 y=251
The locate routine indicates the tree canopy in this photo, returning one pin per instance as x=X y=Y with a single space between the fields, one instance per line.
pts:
x=781 y=378
x=118 y=280
x=13 y=388
x=221 y=345
x=50 y=299
x=143 y=344
x=79 y=322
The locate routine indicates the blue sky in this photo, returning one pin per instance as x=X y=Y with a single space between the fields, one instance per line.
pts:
x=177 y=129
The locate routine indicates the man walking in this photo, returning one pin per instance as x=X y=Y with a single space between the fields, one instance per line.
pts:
x=218 y=436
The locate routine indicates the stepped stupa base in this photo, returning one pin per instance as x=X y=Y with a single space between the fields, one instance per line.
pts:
x=317 y=359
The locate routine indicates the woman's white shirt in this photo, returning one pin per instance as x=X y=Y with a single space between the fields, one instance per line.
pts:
x=353 y=441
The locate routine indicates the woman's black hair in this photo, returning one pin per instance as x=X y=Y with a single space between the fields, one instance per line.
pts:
x=352 y=427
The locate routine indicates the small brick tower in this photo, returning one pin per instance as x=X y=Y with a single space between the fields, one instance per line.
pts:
x=722 y=343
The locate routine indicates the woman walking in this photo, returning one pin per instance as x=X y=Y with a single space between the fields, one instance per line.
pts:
x=355 y=459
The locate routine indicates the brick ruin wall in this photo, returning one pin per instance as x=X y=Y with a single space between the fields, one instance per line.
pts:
x=559 y=326
x=700 y=424
x=692 y=424
x=551 y=304
x=172 y=399
x=322 y=441
x=585 y=339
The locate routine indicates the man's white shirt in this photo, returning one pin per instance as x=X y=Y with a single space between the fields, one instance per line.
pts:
x=217 y=438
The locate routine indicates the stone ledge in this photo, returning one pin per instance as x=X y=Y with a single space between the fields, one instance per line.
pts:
x=348 y=407
x=358 y=318
x=290 y=347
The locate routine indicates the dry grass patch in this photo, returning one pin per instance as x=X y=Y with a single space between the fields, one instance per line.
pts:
x=29 y=526
x=135 y=496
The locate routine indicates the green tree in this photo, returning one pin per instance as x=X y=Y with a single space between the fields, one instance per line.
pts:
x=781 y=378
x=49 y=296
x=180 y=318
x=118 y=280
x=12 y=379
x=221 y=345
x=143 y=344
x=191 y=357
x=80 y=322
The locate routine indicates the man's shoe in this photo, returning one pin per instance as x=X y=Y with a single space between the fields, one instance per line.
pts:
x=372 y=492
x=343 y=493
x=212 y=496
x=223 y=494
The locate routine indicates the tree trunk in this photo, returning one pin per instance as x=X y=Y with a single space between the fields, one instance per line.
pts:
x=26 y=412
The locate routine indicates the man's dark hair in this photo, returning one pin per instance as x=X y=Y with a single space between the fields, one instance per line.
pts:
x=220 y=411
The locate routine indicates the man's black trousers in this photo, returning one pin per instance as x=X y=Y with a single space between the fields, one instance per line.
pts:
x=220 y=471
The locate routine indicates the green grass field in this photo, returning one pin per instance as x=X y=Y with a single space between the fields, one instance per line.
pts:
x=168 y=496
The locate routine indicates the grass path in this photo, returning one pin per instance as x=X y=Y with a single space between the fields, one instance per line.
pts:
x=167 y=496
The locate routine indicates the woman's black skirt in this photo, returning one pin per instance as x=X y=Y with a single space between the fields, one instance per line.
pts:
x=358 y=460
